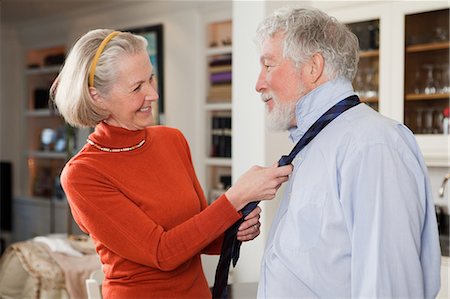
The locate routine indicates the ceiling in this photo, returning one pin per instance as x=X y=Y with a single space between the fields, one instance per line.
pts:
x=16 y=11
x=19 y=11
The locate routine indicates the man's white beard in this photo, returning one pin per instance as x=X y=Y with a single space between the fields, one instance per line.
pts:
x=281 y=116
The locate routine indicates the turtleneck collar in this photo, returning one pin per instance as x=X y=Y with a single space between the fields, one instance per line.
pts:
x=315 y=103
x=115 y=137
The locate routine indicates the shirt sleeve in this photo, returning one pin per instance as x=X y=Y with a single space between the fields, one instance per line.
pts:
x=127 y=231
x=384 y=198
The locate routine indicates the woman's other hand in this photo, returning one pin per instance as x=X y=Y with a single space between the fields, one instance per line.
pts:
x=249 y=229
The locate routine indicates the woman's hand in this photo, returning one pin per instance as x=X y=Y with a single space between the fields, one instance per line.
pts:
x=249 y=229
x=258 y=183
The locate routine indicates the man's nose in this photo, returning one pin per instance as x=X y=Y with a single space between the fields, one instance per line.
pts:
x=260 y=82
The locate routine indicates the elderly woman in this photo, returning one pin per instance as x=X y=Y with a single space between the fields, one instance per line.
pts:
x=132 y=187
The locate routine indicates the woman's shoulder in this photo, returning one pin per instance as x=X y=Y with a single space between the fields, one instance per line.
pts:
x=165 y=132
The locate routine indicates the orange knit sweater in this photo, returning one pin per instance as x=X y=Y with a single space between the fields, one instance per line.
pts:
x=146 y=213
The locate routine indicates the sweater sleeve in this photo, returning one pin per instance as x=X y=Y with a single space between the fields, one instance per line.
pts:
x=121 y=226
x=215 y=246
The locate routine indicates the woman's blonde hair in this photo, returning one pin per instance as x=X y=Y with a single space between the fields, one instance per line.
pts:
x=70 y=91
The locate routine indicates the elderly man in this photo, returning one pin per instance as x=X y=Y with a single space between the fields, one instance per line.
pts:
x=358 y=218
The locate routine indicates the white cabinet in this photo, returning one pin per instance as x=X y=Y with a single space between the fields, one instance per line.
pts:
x=413 y=43
x=41 y=207
x=444 y=293
x=45 y=142
x=217 y=106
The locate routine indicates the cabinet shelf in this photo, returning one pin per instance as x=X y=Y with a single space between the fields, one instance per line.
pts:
x=420 y=97
x=225 y=106
x=40 y=113
x=218 y=50
x=369 y=100
x=369 y=53
x=47 y=154
x=44 y=70
x=218 y=162
x=428 y=47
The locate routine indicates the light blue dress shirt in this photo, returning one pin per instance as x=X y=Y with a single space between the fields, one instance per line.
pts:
x=358 y=218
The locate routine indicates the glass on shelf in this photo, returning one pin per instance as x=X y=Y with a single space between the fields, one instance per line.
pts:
x=438 y=118
x=430 y=82
x=371 y=89
x=418 y=126
x=426 y=70
x=427 y=121
x=444 y=78
x=417 y=86
x=365 y=83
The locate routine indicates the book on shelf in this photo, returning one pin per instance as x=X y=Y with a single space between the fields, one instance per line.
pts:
x=219 y=93
x=220 y=78
x=220 y=69
x=219 y=60
x=221 y=136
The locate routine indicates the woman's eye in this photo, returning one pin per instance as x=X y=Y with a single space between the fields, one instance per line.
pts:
x=138 y=87
x=267 y=67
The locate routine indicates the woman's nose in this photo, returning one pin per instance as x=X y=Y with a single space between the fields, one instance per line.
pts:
x=151 y=92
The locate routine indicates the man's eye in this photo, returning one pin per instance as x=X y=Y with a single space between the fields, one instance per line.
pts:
x=138 y=87
x=268 y=67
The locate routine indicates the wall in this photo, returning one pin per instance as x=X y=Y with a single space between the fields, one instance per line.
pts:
x=11 y=106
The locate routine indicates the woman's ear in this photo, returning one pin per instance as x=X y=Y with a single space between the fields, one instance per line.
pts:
x=96 y=97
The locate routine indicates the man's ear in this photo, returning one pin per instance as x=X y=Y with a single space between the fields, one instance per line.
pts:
x=96 y=97
x=316 y=67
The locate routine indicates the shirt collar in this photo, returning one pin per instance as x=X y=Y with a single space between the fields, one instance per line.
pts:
x=315 y=103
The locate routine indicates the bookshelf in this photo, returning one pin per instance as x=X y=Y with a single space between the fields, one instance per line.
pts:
x=218 y=108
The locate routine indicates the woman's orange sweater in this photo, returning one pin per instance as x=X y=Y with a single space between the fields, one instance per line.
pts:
x=146 y=213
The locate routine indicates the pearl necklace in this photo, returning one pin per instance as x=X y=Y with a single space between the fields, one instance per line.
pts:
x=116 y=150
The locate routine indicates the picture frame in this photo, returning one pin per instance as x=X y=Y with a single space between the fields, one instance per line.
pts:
x=155 y=49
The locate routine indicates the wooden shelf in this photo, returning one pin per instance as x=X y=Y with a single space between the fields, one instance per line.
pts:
x=40 y=113
x=225 y=106
x=47 y=155
x=369 y=53
x=428 y=47
x=43 y=70
x=218 y=162
x=419 y=97
x=219 y=50
x=369 y=100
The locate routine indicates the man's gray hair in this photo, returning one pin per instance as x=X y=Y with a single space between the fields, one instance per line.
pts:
x=308 y=31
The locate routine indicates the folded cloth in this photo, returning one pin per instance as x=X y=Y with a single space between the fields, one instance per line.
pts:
x=58 y=245
x=82 y=243
x=76 y=271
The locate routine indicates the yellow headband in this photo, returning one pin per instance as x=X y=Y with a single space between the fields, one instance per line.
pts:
x=97 y=56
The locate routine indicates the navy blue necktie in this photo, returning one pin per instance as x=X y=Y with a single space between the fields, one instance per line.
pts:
x=231 y=246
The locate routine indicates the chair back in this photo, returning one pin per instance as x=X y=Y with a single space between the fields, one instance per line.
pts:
x=94 y=284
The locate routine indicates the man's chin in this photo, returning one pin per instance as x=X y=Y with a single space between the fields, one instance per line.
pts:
x=276 y=127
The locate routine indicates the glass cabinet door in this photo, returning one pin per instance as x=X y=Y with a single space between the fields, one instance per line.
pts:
x=366 y=79
x=426 y=72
